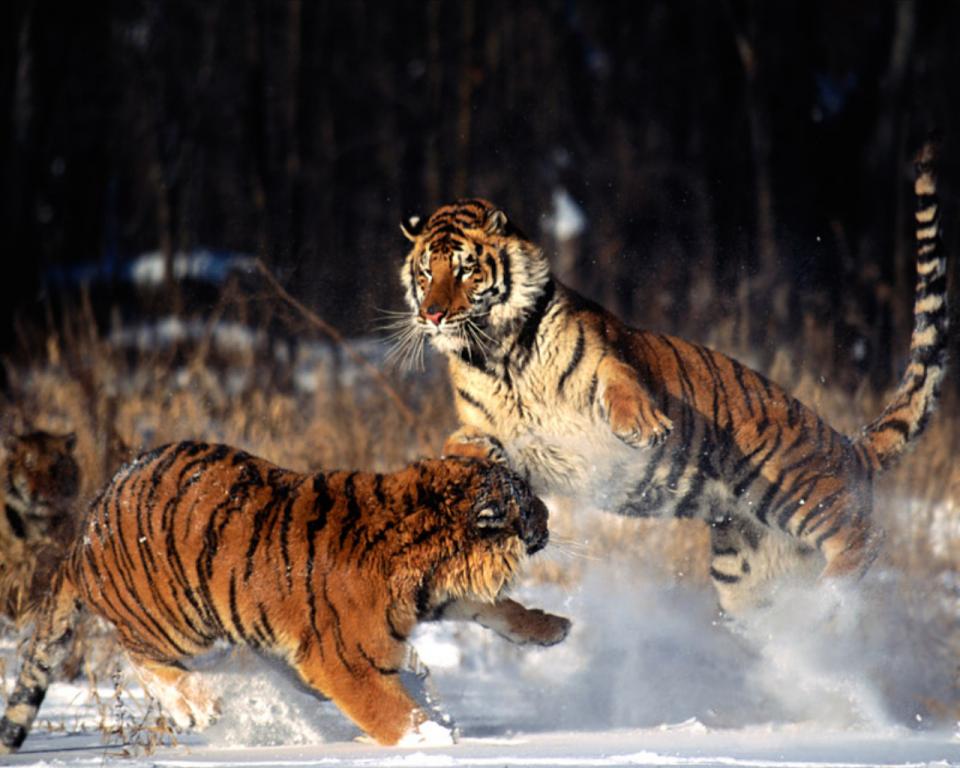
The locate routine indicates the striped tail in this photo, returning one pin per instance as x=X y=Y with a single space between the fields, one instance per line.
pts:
x=51 y=641
x=906 y=415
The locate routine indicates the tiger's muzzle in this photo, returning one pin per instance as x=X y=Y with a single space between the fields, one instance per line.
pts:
x=534 y=530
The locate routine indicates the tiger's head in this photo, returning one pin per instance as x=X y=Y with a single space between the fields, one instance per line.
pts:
x=484 y=521
x=41 y=480
x=470 y=278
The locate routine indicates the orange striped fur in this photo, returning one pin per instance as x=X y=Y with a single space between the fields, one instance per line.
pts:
x=330 y=572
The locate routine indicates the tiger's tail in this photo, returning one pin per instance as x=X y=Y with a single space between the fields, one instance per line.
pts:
x=907 y=413
x=51 y=642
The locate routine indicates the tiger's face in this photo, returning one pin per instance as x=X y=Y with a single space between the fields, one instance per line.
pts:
x=487 y=522
x=503 y=506
x=42 y=479
x=469 y=276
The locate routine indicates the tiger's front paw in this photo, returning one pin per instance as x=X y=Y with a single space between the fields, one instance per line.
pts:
x=626 y=405
x=474 y=444
x=540 y=628
x=525 y=626
x=647 y=431
x=511 y=620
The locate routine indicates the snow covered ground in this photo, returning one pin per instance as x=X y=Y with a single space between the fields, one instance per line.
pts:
x=648 y=677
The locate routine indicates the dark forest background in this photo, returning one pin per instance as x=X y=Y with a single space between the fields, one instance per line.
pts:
x=737 y=163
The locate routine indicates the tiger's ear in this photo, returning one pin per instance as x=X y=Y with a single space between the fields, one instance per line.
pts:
x=411 y=227
x=496 y=223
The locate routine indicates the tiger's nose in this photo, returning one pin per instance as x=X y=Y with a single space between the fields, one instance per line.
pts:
x=435 y=314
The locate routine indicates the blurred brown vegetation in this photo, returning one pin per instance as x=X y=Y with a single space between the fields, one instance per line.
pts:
x=334 y=403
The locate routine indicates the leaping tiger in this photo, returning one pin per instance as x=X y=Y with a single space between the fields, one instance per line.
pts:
x=642 y=423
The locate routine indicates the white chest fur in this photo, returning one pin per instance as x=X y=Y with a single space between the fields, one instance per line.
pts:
x=563 y=450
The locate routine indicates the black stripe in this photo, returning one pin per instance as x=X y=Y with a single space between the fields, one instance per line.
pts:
x=395 y=633
x=738 y=372
x=741 y=487
x=321 y=506
x=12 y=734
x=574 y=360
x=528 y=331
x=802 y=496
x=31 y=695
x=507 y=275
x=279 y=492
x=340 y=646
x=378 y=492
x=723 y=578
x=592 y=393
x=724 y=551
x=491 y=265
x=265 y=623
x=476 y=404
x=896 y=425
x=422 y=598
x=349 y=521
x=16 y=522
x=474 y=358
x=369 y=659
x=235 y=614
x=822 y=508
x=374 y=541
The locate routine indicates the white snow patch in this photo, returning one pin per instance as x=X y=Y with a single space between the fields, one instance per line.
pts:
x=567 y=219
x=149 y=269
x=824 y=678
x=428 y=734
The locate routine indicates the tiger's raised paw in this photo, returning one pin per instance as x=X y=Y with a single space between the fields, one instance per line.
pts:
x=542 y=628
x=627 y=406
x=648 y=434
x=511 y=620
x=529 y=626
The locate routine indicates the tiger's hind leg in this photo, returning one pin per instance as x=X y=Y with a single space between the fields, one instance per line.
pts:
x=748 y=560
x=180 y=693
x=52 y=639
x=852 y=554
x=840 y=527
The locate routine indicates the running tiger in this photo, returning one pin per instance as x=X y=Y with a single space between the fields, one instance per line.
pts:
x=39 y=487
x=644 y=424
x=193 y=543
